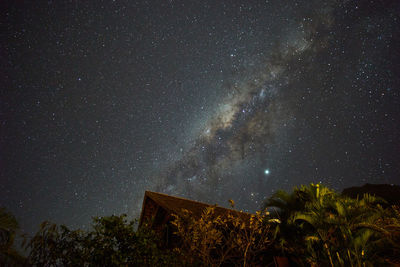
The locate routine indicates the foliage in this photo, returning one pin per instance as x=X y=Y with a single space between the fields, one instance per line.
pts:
x=112 y=242
x=231 y=239
x=389 y=245
x=322 y=228
x=8 y=232
x=312 y=225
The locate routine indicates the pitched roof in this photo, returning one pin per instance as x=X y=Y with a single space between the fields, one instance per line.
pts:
x=176 y=205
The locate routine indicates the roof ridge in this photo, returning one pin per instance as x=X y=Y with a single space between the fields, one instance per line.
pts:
x=193 y=201
x=177 y=205
x=181 y=198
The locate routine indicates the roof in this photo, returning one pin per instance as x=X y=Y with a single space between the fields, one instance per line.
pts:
x=176 y=205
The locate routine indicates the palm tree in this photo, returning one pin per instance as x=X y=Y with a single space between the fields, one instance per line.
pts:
x=339 y=230
x=288 y=237
x=330 y=229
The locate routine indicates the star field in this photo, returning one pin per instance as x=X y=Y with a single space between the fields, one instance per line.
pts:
x=210 y=100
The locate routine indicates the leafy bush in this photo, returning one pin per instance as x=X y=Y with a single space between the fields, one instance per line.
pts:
x=228 y=239
x=112 y=242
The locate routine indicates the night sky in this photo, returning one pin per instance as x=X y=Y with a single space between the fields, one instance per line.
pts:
x=209 y=100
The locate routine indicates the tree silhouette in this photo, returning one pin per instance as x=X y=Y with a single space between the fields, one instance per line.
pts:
x=8 y=232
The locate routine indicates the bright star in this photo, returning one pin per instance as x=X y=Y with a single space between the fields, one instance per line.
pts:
x=266 y=171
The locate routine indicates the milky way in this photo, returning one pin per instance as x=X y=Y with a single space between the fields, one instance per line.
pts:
x=209 y=100
x=240 y=139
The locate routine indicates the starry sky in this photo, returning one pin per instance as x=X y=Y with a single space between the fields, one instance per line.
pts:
x=209 y=100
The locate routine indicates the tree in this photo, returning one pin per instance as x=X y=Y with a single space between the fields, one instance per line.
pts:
x=8 y=231
x=333 y=230
x=113 y=241
x=339 y=231
x=287 y=237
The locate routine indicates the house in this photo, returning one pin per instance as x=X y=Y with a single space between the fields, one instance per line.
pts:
x=158 y=209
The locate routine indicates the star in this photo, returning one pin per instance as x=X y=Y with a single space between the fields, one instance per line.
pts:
x=141 y=101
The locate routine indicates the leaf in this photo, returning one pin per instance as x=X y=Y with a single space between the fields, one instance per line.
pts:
x=312 y=239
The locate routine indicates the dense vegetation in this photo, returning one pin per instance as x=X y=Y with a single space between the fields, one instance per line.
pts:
x=113 y=241
x=319 y=227
x=312 y=226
